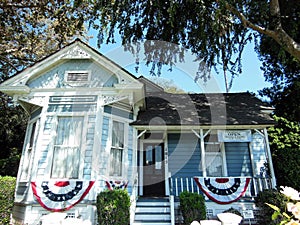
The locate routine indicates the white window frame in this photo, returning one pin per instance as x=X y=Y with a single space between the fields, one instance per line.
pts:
x=80 y=146
x=122 y=149
x=29 y=149
x=222 y=154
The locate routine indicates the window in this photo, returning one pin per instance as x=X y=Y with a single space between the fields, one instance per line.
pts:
x=213 y=157
x=28 y=151
x=117 y=147
x=66 y=155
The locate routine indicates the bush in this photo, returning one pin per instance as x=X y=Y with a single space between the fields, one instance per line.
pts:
x=273 y=197
x=192 y=206
x=7 y=190
x=113 y=207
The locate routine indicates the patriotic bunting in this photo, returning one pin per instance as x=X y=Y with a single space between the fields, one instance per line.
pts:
x=223 y=190
x=58 y=196
x=116 y=184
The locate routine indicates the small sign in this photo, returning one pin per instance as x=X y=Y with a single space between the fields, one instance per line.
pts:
x=234 y=135
x=248 y=214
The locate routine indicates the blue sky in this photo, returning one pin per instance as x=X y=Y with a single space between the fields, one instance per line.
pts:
x=182 y=75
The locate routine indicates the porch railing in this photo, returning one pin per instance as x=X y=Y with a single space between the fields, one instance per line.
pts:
x=180 y=184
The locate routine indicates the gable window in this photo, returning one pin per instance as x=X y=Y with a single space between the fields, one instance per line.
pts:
x=66 y=155
x=214 y=157
x=117 y=148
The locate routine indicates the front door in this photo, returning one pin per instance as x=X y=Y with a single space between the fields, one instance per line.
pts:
x=153 y=170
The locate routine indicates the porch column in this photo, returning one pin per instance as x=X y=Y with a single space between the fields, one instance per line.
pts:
x=204 y=174
x=270 y=159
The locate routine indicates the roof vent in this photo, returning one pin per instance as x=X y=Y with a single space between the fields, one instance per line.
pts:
x=77 y=76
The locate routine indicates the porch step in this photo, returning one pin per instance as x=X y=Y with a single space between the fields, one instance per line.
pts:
x=152 y=211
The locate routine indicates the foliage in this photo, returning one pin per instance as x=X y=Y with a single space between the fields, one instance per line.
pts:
x=30 y=30
x=192 y=206
x=12 y=130
x=285 y=147
x=270 y=196
x=216 y=31
x=7 y=190
x=291 y=214
x=234 y=211
x=113 y=207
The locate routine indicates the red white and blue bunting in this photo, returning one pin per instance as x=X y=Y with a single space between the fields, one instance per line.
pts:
x=58 y=196
x=116 y=184
x=223 y=190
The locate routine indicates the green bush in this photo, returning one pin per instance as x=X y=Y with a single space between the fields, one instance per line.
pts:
x=273 y=197
x=7 y=190
x=113 y=207
x=192 y=206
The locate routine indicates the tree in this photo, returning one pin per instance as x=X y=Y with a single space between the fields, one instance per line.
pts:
x=285 y=146
x=215 y=30
x=280 y=68
x=30 y=30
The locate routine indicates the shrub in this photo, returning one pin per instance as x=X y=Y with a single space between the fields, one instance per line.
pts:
x=273 y=197
x=7 y=190
x=113 y=207
x=192 y=206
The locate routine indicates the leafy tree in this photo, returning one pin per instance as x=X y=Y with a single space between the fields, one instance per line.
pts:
x=285 y=146
x=30 y=30
x=280 y=68
x=215 y=30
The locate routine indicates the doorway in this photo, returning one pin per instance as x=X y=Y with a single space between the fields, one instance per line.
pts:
x=153 y=169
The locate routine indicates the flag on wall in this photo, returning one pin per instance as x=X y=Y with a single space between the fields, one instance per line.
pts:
x=223 y=190
x=58 y=196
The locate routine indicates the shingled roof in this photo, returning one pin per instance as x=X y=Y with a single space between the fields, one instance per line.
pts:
x=203 y=109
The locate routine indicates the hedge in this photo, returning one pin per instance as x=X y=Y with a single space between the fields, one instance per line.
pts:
x=192 y=206
x=113 y=207
x=7 y=190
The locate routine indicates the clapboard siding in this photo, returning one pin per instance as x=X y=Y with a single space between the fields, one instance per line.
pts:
x=54 y=78
x=184 y=155
x=89 y=147
x=238 y=159
x=104 y=138
x=130 y=158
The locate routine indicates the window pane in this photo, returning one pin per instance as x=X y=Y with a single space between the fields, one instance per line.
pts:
x=213 y=159
x=118 y=134
x=66 y=155
x=116 y=162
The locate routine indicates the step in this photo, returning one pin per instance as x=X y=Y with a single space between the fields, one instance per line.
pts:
x=152 y=217
x=151 y=223
x=146 y=209
x=153 y=204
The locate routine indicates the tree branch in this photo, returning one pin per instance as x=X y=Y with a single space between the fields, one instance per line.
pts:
x=278 y=34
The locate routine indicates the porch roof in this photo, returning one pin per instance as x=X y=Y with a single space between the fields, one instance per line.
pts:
x=204 y=110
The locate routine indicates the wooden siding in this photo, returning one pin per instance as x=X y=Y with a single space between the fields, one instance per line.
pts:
x=238 y=159
x=55 y=78
x=118 y=112
x=130 y=158
x=184 y=156
x=87 y=170
x=104 y=138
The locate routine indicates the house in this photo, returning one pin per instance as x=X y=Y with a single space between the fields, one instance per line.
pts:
x=93 y=126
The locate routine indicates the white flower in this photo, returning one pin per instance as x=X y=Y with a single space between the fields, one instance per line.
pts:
x=291 y=193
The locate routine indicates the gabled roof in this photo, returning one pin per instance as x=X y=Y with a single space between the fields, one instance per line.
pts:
x=75 y=50
x=203 y=110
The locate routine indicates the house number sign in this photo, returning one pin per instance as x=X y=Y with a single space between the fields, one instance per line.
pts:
x=234 y=135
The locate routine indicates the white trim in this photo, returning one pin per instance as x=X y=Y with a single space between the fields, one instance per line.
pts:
x=270 y=159
x=67 y=72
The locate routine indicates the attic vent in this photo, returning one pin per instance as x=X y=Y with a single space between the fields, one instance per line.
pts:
x=77 y=76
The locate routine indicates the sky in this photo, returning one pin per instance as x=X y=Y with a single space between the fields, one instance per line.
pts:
x=183 y=74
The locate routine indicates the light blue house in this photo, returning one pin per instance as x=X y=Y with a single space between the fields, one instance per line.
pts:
x=93 y=126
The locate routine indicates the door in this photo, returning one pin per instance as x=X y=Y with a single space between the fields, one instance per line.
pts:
x=153 y=169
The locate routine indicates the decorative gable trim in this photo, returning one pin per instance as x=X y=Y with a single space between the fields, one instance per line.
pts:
x=76 y=53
